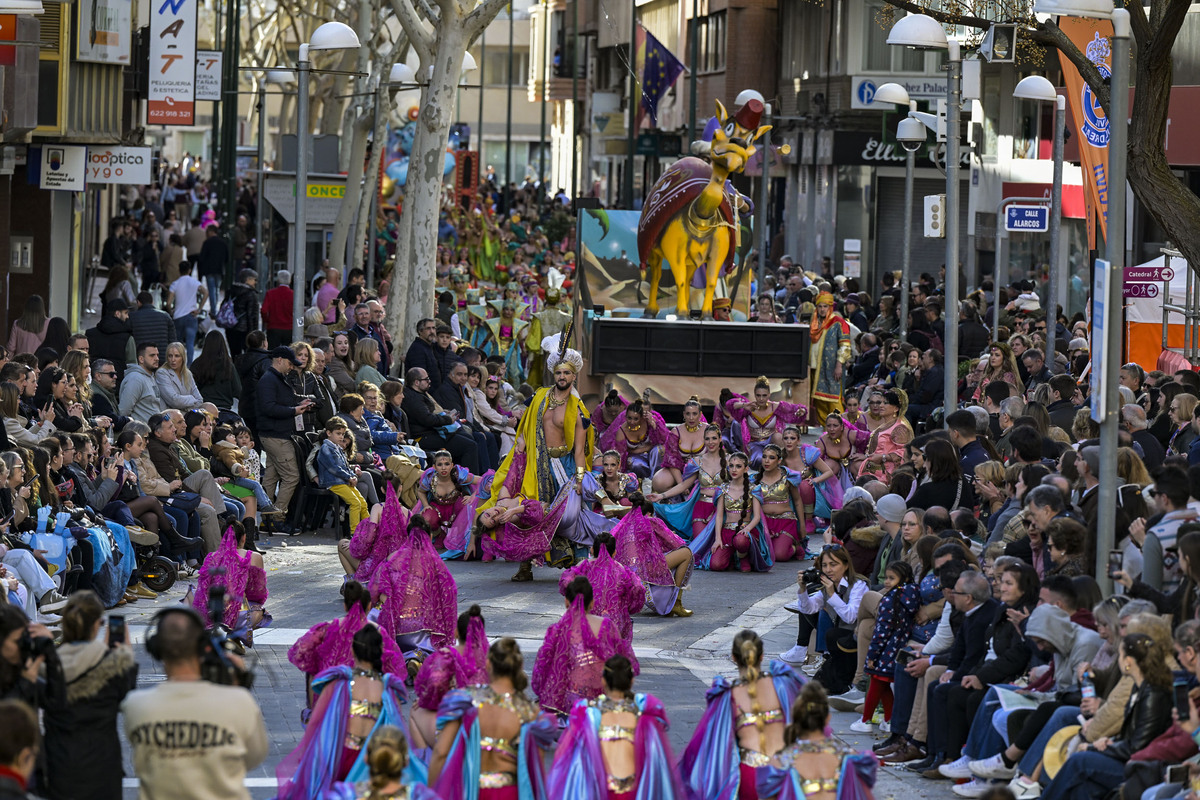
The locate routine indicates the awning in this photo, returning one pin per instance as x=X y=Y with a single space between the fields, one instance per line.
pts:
x=21 y=7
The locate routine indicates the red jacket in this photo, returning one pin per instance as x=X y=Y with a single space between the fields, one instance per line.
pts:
x=277 y=309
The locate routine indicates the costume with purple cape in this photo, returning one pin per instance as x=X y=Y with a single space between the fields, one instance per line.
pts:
x=570 y=663
x=616 y=589
x=642 y=545
x=310 y=769
x=416 y=596
x=446 y=668
x=711 y=764
x=579 y=771
x=245 y=586
x=760 y=555
x=643 y=465
x=331 y=644
x=856 y=778
x=372 y=543
x=460 y=775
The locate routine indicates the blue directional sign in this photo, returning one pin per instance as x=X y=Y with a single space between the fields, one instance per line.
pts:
x=1030 y=219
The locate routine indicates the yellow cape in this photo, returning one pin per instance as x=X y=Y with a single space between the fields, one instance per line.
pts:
x=528 y=430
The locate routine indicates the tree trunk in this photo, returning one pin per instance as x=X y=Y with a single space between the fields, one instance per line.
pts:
x=411 y=296
x=346 y=214
x=371 y=186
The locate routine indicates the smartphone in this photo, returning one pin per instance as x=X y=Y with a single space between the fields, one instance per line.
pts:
x=108 y=463
x=1183 y=703
x=116 y=629
x=1177 y=774
x=1116 y=562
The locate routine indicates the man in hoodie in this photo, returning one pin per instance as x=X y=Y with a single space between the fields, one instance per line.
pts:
x=139 y=392
x=1051 y=631
x=244 y=294
x=112 y=338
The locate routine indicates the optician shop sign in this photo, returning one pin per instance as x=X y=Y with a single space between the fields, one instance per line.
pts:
x=172 y=68
x=127 y=165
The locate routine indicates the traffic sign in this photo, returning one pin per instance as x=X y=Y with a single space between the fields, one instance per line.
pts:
x=1148 y=274
x=1030 y=219
x=1149 y=290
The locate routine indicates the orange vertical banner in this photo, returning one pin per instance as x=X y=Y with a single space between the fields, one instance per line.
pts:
x=1091 y=124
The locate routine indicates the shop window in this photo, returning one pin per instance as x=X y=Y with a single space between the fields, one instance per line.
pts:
x=52 y=70
x=878 y=55
x=711 y=40
x=496 y=66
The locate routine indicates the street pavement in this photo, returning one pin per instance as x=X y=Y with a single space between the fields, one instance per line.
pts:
x=678 y=656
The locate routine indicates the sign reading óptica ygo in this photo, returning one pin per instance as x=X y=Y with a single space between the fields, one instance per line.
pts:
x=127 y=165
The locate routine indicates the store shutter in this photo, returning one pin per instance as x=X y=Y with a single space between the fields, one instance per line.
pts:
x=928 y=255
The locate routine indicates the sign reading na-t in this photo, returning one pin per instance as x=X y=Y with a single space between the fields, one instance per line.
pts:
x=1030 y=219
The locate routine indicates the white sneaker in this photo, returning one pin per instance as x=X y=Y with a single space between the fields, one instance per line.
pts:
x=793 y=606
x=812 y=669
x=846 y=701
x=976 y=788
x=858 y=726
x=885 y=727
x=1025 y=789
x=50 y=620
x=957 y=770
x=795 y=656
x=992 y=768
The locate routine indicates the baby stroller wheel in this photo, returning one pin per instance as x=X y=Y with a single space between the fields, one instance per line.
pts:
x=158 y=573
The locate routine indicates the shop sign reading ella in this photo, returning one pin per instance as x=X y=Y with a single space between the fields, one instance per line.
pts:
x=172 y=66
x=128 y=165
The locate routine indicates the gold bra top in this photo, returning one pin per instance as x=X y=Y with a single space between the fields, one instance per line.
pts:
x=813 y=785
x=630 y=440
x=615 y=733
x=708 y=480
x=748 y=718
x=694 y=452
x=778 y=492
x=500 y=745
x=761 y=429
x=366 y=709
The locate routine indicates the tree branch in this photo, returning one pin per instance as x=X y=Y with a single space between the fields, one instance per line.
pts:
x=481 y=17
x=945 y=17
x=1050 y=34
x=432 y=13
x=1140 y=25
x=1167 y=30
x=420 y=36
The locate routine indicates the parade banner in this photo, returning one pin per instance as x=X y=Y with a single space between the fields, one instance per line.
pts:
x=1092 y=37
x=172 y=69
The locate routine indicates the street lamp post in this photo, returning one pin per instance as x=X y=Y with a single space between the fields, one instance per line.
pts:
x=923 y=32
x=330 y=36
x=1035 y=87
x=1108 y=358
x=911 y=135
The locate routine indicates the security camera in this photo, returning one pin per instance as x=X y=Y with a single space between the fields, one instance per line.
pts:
x=910 y=133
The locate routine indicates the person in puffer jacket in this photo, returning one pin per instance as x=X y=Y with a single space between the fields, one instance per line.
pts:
x=335 y=473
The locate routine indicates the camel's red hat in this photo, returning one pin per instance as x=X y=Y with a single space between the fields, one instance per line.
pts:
x=748 y=115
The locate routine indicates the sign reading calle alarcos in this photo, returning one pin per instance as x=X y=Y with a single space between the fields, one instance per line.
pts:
x=172 y=68
x=125 y=165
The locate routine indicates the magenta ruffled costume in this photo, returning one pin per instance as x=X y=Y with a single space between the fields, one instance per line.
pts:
x=673 y=457
x=643 y=465
x=372 y=544
x=570 y=663
x=642 y=545
x=416 y=593
x=330 y=644
x=618 y=592
x=245 y=584
x=447 y=669
x=443 y=516
x=598 y=418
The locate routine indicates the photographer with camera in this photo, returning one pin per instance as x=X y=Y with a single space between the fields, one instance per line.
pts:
x=191 y=736
x=99 y=671
x=24 y=649
x=829 y=598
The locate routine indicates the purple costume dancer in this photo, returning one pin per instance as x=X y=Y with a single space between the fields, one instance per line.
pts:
x=245 y=588
x=612 y=404
x=415 y=593
x=762 y=418
x=617 y=590
x=570 y=663
x=373 y=542
x=450 y=668
x=330 y=644
x=637 y=427
x=642 y=545
x=518 y=530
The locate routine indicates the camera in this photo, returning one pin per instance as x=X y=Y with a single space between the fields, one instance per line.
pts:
x=811 y=578
x=216 y=666
x=31 y=646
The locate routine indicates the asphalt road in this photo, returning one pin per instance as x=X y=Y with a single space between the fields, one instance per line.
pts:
x=679 y=656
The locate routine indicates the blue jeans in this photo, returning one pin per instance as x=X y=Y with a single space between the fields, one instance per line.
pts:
x=233 y=506
x=185 y=329
x=1062 y=717
x=254 y=486
x=213 y=282
x=904 y=690
x=1086 y=776
x=983 y=740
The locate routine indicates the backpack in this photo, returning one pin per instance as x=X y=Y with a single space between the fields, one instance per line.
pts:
x=226 y=316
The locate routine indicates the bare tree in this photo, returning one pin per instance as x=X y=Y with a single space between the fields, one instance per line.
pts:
x=1175 y=207
x=440 y=33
